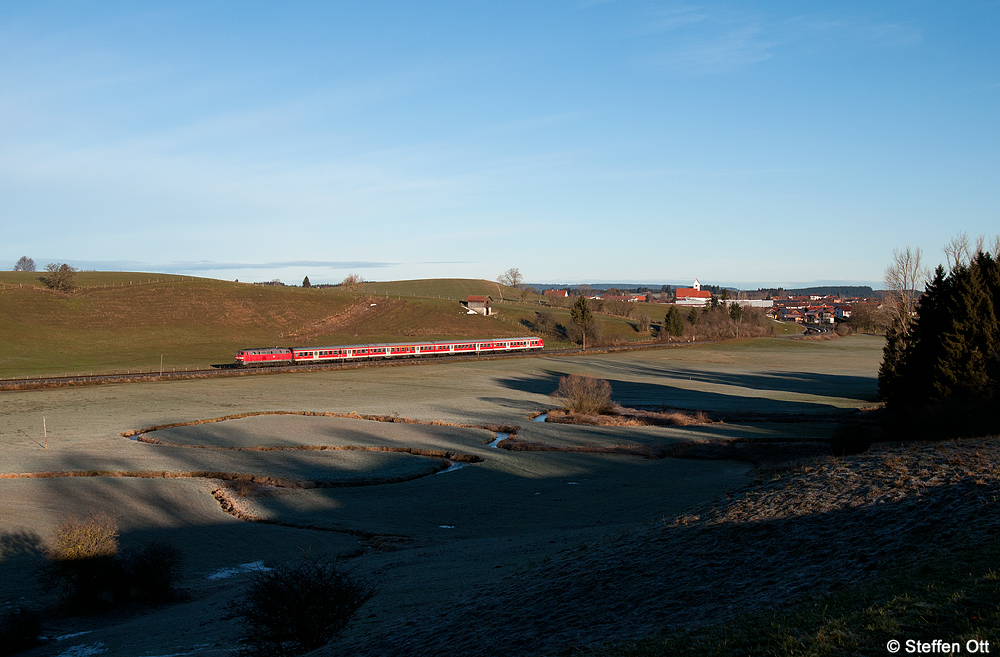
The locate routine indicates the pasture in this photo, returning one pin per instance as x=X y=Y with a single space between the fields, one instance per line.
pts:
x=429 y=534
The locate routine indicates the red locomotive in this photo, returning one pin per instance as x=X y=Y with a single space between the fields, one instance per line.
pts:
x=353 y=352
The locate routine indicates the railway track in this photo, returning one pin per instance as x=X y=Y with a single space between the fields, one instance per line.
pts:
x=38 y=383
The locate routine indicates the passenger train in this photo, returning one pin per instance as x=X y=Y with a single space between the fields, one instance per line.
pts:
x=356 y=352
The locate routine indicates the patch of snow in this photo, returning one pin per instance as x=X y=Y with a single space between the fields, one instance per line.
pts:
x=84 y=651
x=70 y=636
x=253 y=567
x=447 y=526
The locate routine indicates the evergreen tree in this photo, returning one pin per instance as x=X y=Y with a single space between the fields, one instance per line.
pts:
x=951 y=352
x=673 y=322
x=305 y=282
x=584 y=323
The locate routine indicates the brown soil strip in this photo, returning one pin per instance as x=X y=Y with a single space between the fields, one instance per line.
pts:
x=657 y=416
x=352 y=314
x=433 y=453
x=276 y=482
x=756 y=452
x=379 y=542
x=508 y=429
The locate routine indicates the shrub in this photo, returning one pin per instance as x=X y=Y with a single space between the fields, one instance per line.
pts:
x=299 y=606
x=87 y=569
x=19 y=629
x=584 y=394
x=82 y=560
x=61 y=277
x=149 y=572
x=95 y=536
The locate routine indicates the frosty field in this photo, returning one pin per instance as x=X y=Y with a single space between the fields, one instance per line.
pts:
x=431 y=533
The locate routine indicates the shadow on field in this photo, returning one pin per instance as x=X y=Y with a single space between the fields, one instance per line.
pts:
x=648 y=581
x=812 y=383
x=633 y=393
x=21 y=554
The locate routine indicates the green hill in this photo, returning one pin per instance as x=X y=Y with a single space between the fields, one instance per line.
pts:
x=119 y=321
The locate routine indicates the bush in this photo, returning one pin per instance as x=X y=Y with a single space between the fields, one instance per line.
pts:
x=61 y=277
x=82 y=560
x=95 y=536
x=149 y=572
x=19 y=630
x=299 y=606
x=86 y=568
x=584 y=394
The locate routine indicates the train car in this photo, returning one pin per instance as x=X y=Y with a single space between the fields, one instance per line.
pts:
x=263 y=356
x=355 y=352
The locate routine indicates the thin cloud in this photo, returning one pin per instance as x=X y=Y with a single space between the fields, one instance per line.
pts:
x=208 y=265
x=673 y=18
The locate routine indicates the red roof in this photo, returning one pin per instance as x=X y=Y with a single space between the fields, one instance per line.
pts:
x=691 y=293
x=479 y=298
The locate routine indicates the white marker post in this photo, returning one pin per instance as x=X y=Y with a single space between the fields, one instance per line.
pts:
x=45 y=433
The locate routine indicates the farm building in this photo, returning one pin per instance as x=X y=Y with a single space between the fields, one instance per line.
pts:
x=480 y=304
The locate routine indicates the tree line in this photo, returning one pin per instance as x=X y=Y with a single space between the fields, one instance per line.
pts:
x=716 y=321
x=940 y=370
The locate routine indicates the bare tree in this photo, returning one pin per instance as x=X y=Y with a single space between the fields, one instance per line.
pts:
x=864 y=317
x=643 y=324
x=352 y=281
x=619 y=307
x=24 y=263
x=904 y=278
x=61 y=277
x=511 y=278
x=957 y=251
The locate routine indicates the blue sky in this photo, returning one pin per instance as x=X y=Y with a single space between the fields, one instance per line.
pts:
x=743 y=143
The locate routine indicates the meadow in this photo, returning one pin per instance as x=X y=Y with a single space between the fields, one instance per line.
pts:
x=323 y=483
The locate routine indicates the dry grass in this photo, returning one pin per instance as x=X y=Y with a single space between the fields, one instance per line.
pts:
x=262 y=480
x=617 y=416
